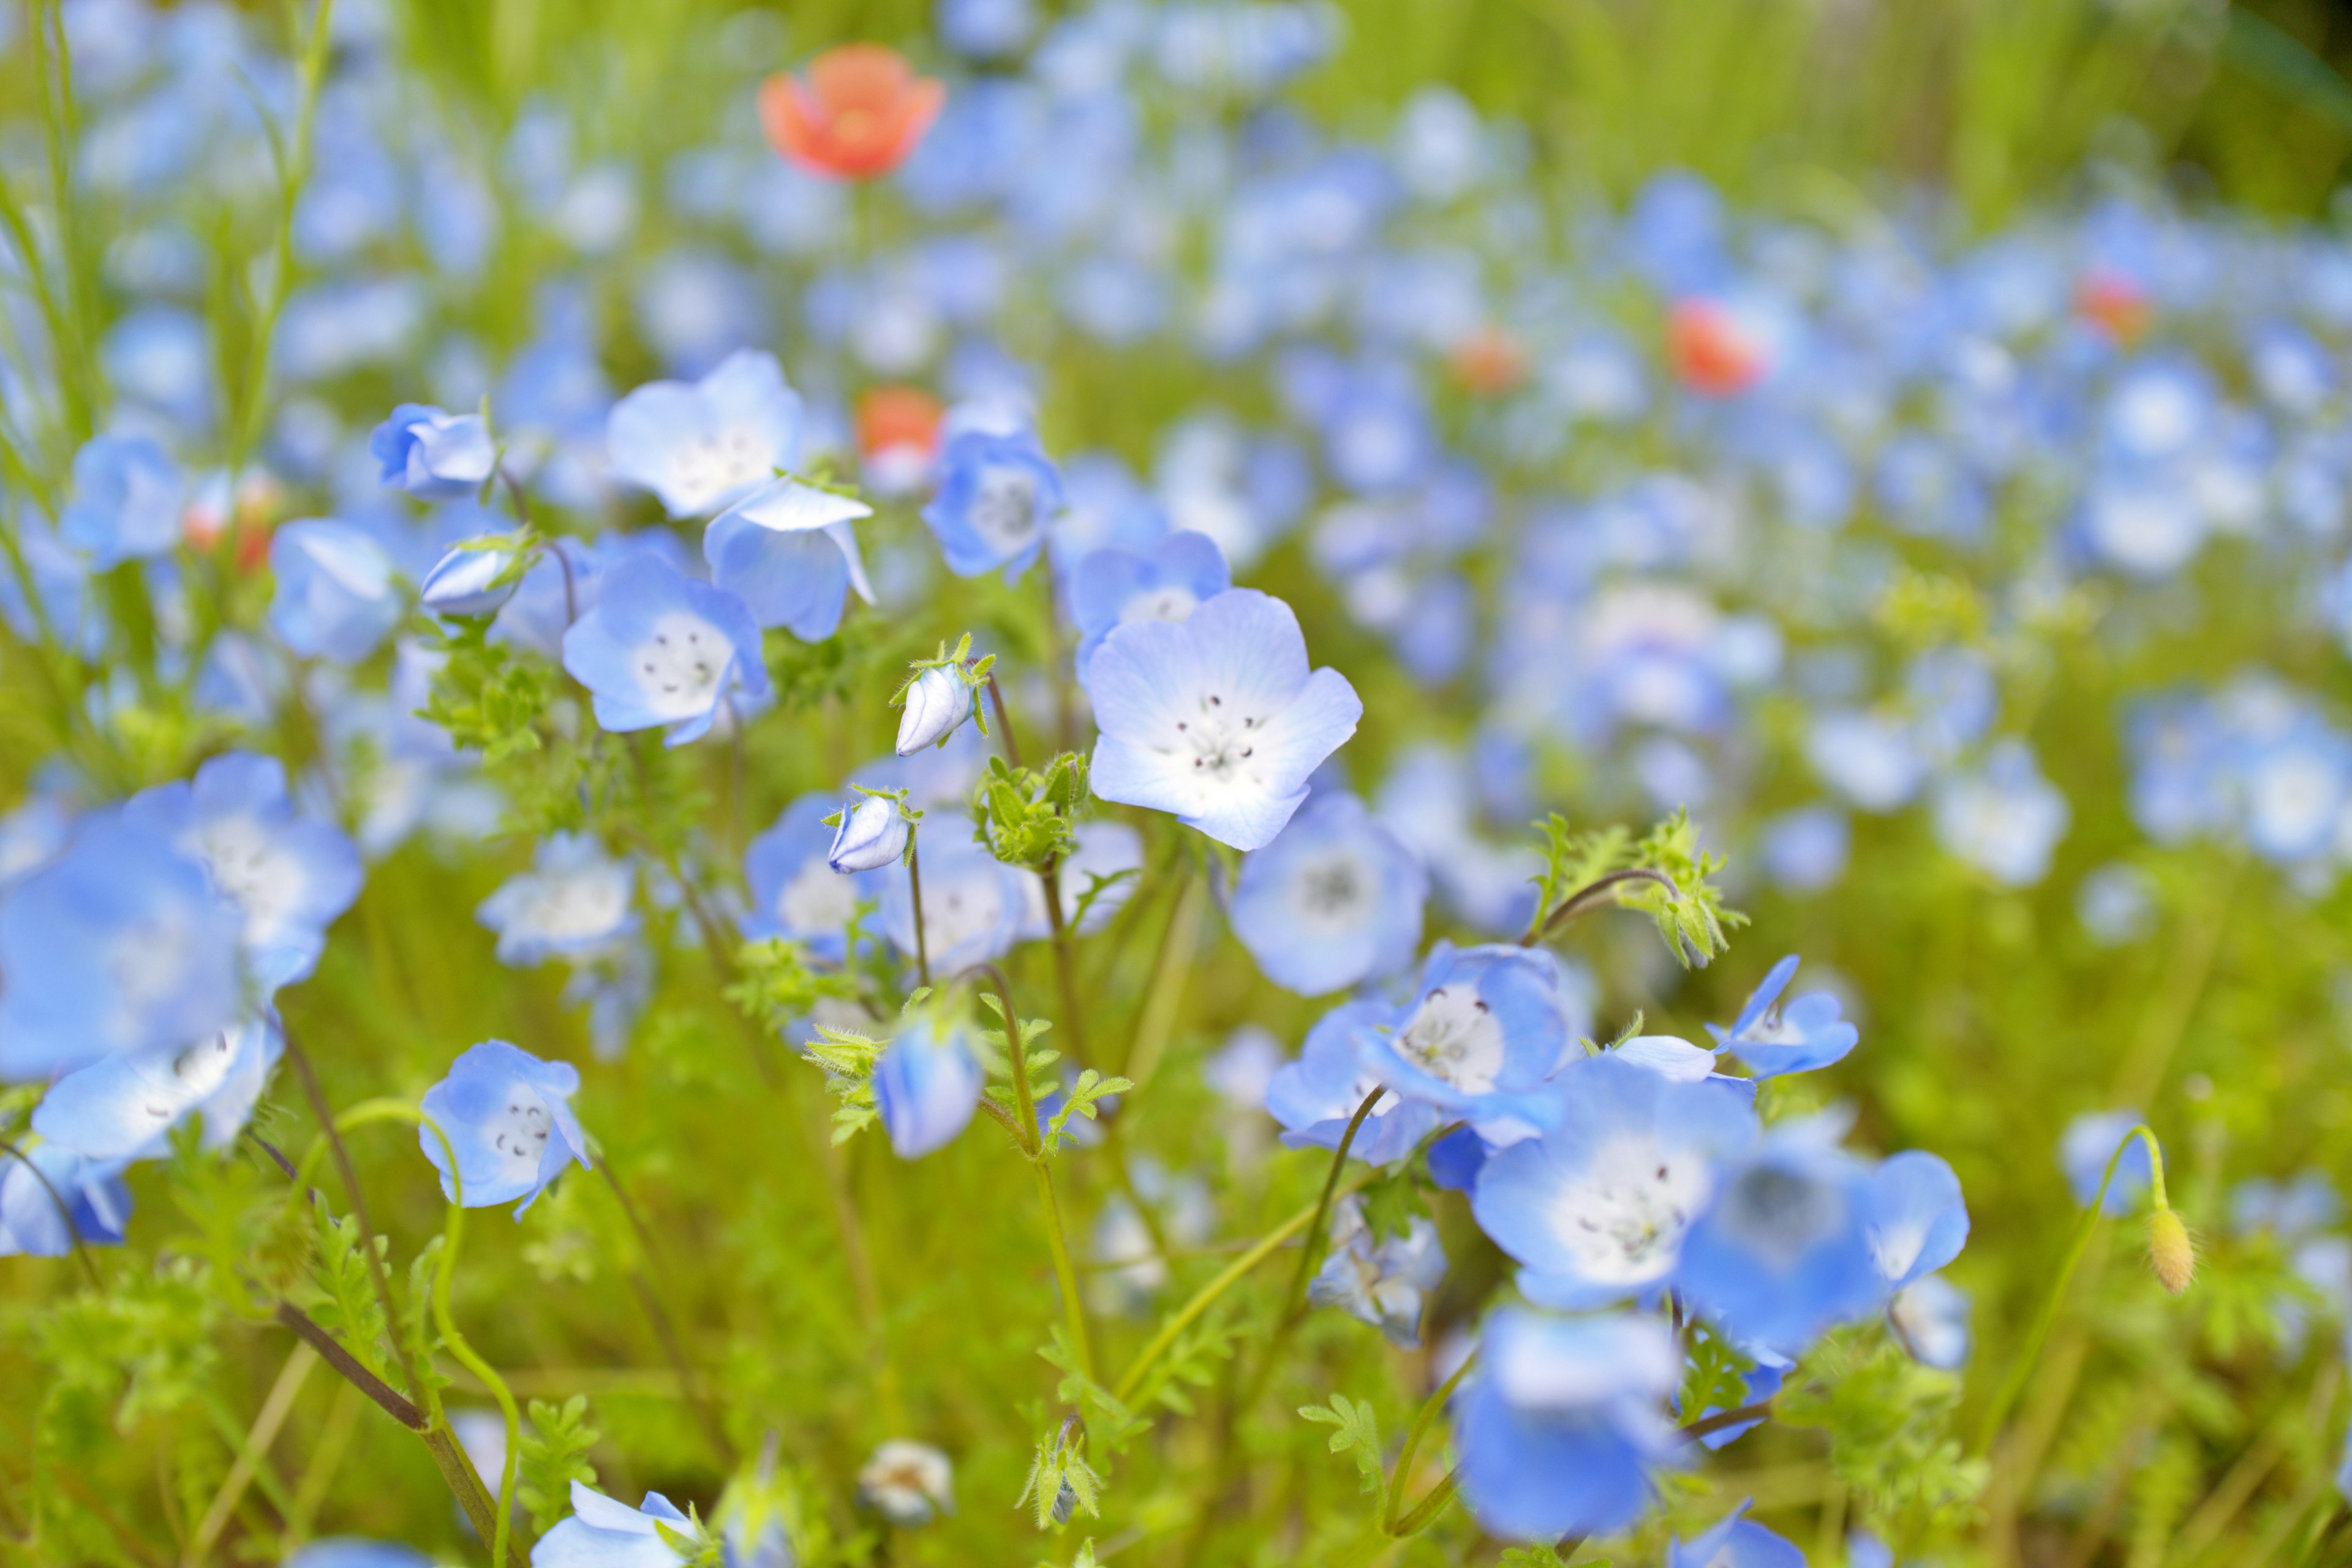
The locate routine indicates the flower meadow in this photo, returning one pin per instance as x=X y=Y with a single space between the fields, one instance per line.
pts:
x=1171 y=782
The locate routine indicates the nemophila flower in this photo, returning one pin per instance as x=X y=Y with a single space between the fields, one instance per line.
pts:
x=1595 y=1209
x=701 y=447
x=289 y=874
x=119 y=1108
x=660 y=649
x=1806 y=850
x=872 y=834
x=997 y=492
x=795 y=893
x=1380 y=1282
x=2294 y=784
x=2089 y=1141
x=350 y=1551
x=858 y=114
x=1918 y=1220
x=97 y=1205
x=926 y=1085
x=574 y=900
x=508 y=1117
x=1785 y=1249
x=336 y=599
x=1736 y=1542
x=2003 y=818
x=1315 y=1097
x=126 y=501
x=1165 y=582
x=1097 y=879
x=119 y=946
x=1868 y=757
x=934 y=703
x=786 y=550
x=432 y=454
x=1488 y=1026
x=973 y=906
x=605 y=1532
x=1803 y=1035
x=1216 y=718
x=465 y=582
x=1930 y=1316
x=908 y=1484
x=1333 y=902
x=1560 y=1425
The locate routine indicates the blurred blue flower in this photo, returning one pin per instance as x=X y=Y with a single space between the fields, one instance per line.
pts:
x=1166 y=581
x=1332 y=902
x=1381 y=1282
x=432 y=454
x=660 y=649
x=2089 y=1141
x=1930 y=1316
x=1802 y=1036
x=973 y=905
x=1918 y=1220
x=508 y=1118
x=1315 y=1096
x=1784 y=1248
x=350 y=1551
x=997 y=493
x=927 y=1086
x=788 y=553
x=2004 y=818
x=704 y=445
x=97 y=1205
x=1805 y=850
x=1486 y=1028
x=120 y=1108
x=795 y=894
x=604 y=1532
x=1216 y=718
x=574 y=901
x=125 y=502
x=336 y=599
x=1735 y=1542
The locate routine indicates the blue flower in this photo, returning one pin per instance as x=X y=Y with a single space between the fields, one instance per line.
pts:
x=1166 y=581
x=432 y=454
x=997 y=492
x=1333 y=902
x=795 y=894
x=1559 y=1426
x=788 y=553
x=335 y=599
x=1918 y=1220
x=119 y=1108
x=604 y=1532
x=1805 y=850
x=2086 y=1146
x=2004 y=818
x=464 y=582
x=508 y=1117
x=973 y=906
x=1596 y=1208
x=872 y=833
x=119 y=946
x=1216 y=718
x=927 y=1086
x=1383 y=1283
x=1930 y=1316
x=126 y=501
x=1784 y=1250
x=1805 y=1036
x=1486 y=1028
x=1735 y=1542
x=350 y=1551
x=703 y=446
x=662 y=649
x=574 y=901
x=1315 y=1096
x=290 y=875
x=96 y=1204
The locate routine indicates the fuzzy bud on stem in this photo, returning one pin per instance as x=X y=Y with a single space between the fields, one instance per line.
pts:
x=2170 y=1250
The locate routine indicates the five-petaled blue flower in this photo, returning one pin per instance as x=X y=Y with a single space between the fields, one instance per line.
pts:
x=1486 y=1028
x=1801 y=1037
x=787 y=551
x=1216 y=718
x=432 y=454
x=508 y=1118
x=997 y=493
x=703 y=447
x=1165 y=582
x=1333 y=902
x=927 y=1086
x=336 y=599
x=126 y=501
x=662 y=649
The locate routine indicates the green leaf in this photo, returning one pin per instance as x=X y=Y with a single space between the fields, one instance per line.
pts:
x=348 y=1307
x=554 y=1454
x=1090 y=1088
x=1357 y=1435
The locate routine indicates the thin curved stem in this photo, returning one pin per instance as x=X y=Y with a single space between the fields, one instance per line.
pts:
x=319 y=1108
x=1707 y=1425
x=1308 y=1256
x=453 y=1231
x=64 y=1213
x=1591 y=896
x=1411 y=1449
x=1004 y=721
x=1065 y=962
x=1032 y=1148
x=1430 y=1506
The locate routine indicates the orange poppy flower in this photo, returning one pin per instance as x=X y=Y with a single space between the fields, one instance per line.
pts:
x=897 y=435
x=1488 y=361
x=1712 y=350
x=858 y=114
x=2117 y=302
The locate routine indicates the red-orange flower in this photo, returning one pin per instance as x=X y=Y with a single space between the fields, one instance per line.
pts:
x=897 y=435
x=1488 y=361
x=2116 y=302
x=1712 y=350
x=856 y=114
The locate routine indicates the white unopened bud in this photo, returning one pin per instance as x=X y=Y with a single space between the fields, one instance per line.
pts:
x=460 y=582
x=940 y=699
x=872 y=834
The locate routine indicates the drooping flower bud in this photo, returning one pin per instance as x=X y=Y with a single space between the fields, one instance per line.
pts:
x=2170 y=1250
x=464 y=582
x=871 y=834
x=937 y=702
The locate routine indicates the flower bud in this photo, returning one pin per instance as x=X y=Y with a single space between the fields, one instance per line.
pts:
x=926 y=1085
x=459 y=582
x=2171 y=1252
x=872 y=834
x=940 y=699
x=907 y=1483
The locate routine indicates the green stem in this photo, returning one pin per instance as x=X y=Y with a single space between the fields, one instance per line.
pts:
x=1411 y=1449
x=1590 y=897
x=915 y=889
x=334 y=1140
x=2020 y=1370
x=1072 y=1310
x=452 y=1232
x=1309 y=1256
x=1033 y=1147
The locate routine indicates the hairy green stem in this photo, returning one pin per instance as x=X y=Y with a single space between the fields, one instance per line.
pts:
x=1590 y=897
x=1032 y=1148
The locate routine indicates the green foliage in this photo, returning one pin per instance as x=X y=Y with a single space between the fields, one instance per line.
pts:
x=848 y=1058
x=1061 y=1485
x=1889 y=1423
x=1028 y=817
x=1090 y=1088
x=1665 y=874
x=1356 y=1434
x=346 y=1304
x=775 y=986
x=1714 y=1376
x=555 y=1444
x=1391 y=1201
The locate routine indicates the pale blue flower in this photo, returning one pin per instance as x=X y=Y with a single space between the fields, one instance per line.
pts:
x=1486 y=1028
x=1802 y=1036
x=432 y=454
x=795 y=894
x=574 y=901
x=1314 y=1097
x=1735 y=1542
x=1385 y=1283
x=1164 y=582
x=660 y=649
x=1930 y=1316
x=786 y=550
x=2004 y=818
x=350 y=1551
x=1918 y=1220
x=1216 y=718
x=604 y=1532
x=120 y=1108
x=872 y=834
x=464 y=582
x=96 y=1204
x=1806 y=850
x=2089 y=1142
x=704 y=445
x=1333 y=902
x=336 y=599
x=1784 y=1250
x=997 y=492
x=973 y=905
x=927 y=1086
x=933 y=705
x=508 y=1118
x=126 y=501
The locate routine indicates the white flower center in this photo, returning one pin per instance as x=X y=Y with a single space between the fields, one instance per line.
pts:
x=1453 y=1036
x=1623 y=1220
x=1222 y=742
x=1005 y=508
x=576 y=906
x=1170 y=603
x=817 y=898
x=1332 y=891
x=1781 y=1215
x=520 y=1133
x=721 y=461
x=247 y=865
x=679 y=667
